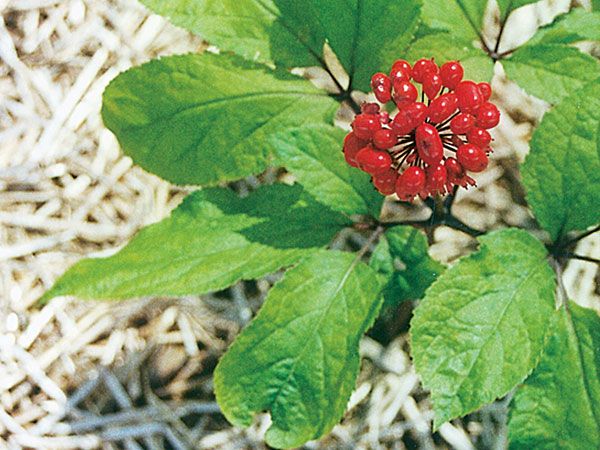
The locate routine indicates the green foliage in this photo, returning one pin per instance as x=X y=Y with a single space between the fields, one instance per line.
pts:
x=562 y=171
x=402 y=257
x=508 y=6
x=576 y=25
x=314 y=155
x=213 y=239
x=551 y=72
x=292 y=34
x=445 y=47
x=381 y=33
x=480 y=328
x=202 y=119
x=462 y=18
x=558 y=407
x=299 y=358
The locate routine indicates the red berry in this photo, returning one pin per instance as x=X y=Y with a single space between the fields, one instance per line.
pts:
x=452 y=74
x=384 y=117
x=409 y=118
x=384 y=139
x=469 y=97
x=399 y=74
x=432 y=83
x=462 y=123
x=471 y=157
x=370 y=108
x=422 y=67
x=436 y=179
x=442 y=107
x=405 y=93
x=373 y=161
x=382 y=87
x=486 y=90
x=457 y=140
x=429 y=144
x=454 y=170
x=352 y=145
x=488 y=116
x=365 y=125
x=410 y=183
x=385 y=182
x=403 y=66
x=457 y=175
x=479 y=137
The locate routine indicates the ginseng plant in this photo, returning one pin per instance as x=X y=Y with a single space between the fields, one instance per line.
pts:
x=496 y=323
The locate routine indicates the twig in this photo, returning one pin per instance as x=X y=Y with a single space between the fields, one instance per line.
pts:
x=581 y=258
x=578 y=238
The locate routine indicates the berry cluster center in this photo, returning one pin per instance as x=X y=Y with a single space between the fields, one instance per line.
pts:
x=426 y=148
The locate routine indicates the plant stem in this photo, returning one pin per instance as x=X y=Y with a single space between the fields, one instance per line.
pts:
x=583 y=235
x=378 y=232
x=581 y=258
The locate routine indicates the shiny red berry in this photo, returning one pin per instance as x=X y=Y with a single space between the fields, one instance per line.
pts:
x=432 y=83
x=486 y=90
x=469 y=97
x=453 y=169
x=403 y=66
x=436 y=179
x=462 y=123
x=451 y=73
x=370 y=108
x=457 y=140
x=384 y=117
x=422 y=67
x=442 y=108
x=365 y=125
x=382 y=87
x=471 y=157
x=429 y=144
x=385 y=182
x=479 y=137
x=405 y=93
x=410 y=183
x=384 y=139
x=373 y=161
x=352 y=145
x=408 y=118
x=488 y=116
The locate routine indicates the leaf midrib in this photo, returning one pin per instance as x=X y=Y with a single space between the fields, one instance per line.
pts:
x=495 y=327
x=216 y=101
x=339 y=287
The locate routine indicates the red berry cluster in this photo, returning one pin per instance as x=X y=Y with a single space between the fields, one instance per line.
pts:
x=407 y=154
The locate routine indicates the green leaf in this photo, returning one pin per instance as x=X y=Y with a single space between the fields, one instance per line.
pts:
x=480 y=329
x=253 y=29
x=558 y=407
x=445 y=47
x=562 y=171
x=298 y=359
x=203 y=119
x=576 y=25
x=508 y=6
x=314 y=155
x=292 y=33
x=360 y=48
x=402 y=257
x=548 y=71
x=213 y=239
x=596 y=5
x=462 y=18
